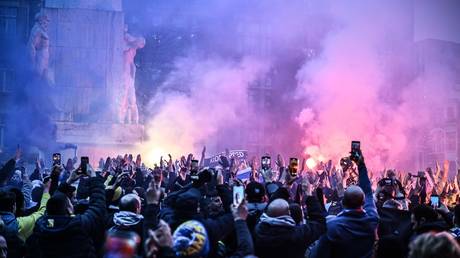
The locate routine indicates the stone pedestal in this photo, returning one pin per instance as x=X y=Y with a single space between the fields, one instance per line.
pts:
x=98 y=140
x=86 y=57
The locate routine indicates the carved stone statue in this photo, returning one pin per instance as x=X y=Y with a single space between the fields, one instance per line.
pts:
x=38 y=46
x=128 y=106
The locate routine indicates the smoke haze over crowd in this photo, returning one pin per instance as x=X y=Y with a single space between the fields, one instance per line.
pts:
x=339 y=71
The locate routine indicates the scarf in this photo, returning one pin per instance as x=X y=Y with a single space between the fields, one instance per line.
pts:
x=285 y=220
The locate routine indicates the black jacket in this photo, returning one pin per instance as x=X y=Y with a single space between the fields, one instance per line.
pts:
x=245 y=245
x=285 y=239
x=353 y=232
x=65 y=236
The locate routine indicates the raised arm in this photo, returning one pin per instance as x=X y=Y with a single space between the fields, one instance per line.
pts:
x=365 y=184
x=95 y=214
x=27 y=223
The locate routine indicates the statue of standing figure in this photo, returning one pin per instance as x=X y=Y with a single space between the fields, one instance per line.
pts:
x=128 y=106
x=38 y=46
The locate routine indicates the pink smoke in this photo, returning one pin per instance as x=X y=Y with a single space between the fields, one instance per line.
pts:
x=348 y=84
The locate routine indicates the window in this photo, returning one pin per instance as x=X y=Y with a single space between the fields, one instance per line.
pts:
x=8 y=21
x=7 y=80
x=451 y=141
x=451 y=114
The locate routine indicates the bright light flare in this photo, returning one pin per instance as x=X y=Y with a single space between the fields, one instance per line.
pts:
x=311 y=163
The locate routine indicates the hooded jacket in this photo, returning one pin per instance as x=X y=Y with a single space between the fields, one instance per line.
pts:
x=281 y=237
x=18 y=229
x=66 y=236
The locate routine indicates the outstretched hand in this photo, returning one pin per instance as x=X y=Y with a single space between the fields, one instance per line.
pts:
x=280 y=161
x=153 y=193
x=240 y=212
x=161 y=237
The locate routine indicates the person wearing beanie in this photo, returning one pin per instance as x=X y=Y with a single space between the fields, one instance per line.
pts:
x=184 y=205
x=256 y=198
x=58 y=233
x=190 y=239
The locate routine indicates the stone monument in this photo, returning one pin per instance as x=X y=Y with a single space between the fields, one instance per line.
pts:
x=38 y=46
x=86 y=53
x=128 y=105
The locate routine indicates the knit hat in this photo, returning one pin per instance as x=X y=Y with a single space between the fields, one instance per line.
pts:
x=187 y=202
x=191 y=240
x=57 y=204
x=255 y=191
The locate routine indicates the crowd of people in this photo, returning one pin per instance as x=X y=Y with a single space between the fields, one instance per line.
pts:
x=180 y=208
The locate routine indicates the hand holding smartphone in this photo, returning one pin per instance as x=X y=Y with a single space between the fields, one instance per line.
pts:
x=355 y=151
x=293 y=166
x=266 y=162
x=238 y=195
x=84 y=161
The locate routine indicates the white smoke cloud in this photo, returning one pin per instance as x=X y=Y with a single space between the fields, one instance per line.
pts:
x=214 y=96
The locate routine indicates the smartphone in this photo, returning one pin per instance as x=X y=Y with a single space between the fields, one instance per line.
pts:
x=56 y=159
x=355 y=146
x=266 y=162
x=293 y=166
x=194 y=165
x=84 y=161
x=238 y=194
x=434 y=199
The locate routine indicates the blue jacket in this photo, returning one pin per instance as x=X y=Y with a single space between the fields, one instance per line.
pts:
x=353 y=232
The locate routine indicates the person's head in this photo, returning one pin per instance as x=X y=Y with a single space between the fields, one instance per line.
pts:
x=422 y=214
x=392 y=204
x=432 y=245
x=213 y=205
x=3 y=247
x=130 y=202
x=42 y=19
x=280 y=193
x=190 y=239
x=277 y=208
x=59 y=205
x=7 y=201
x=255 y=192
x=353 y=198
x=457 y=215
x=187 y=203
